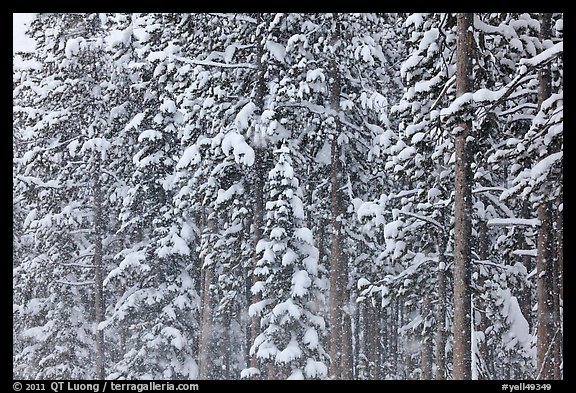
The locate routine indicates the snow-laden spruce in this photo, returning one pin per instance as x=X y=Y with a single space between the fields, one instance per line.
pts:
x=288 y=346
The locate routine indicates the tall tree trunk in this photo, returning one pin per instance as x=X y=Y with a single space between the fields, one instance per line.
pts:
x=525 y=297
x=560 y=249
x=98 y=279
x=426 y=343
x=257 y=225
x=371 y=336
x=346 y=365
x=463 y=207
x=558 y=273
x=339 y=334
x=481 y=322
x=227 y=323
x=206 y=310
x=334 y=300
x=544 y=261
x=259 y=174
x=544 y=282
x=440 y=356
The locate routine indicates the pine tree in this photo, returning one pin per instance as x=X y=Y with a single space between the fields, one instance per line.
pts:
x=290 y=344
x=63 y=177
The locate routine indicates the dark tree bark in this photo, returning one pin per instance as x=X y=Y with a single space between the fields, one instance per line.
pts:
x=258 y=176
x=257 y=225
x=525 y=296
x=334 y=300
x=482 y=323
x=463 y=207
x=544 y=262
x=340 y=330
x=440 y=357
x=206 y=311
x=426 y=345
x=347 y=368
x=544 y=282
x=371 y=339
x=558 y=273
x=98 y=277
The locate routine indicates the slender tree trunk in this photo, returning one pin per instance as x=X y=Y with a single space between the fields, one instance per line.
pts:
x=339 y=324
x=525 y=297
x=441 y=315
x=257 y=224
x=346 y=359
x=481 y=321
x=558 y=273
x=394 y=337
x=206 y=310
x=334 y=300
x=544 y=261
x=463 y=208
x=360 y=336
x=259 y=174
x=557 y=334
x=371 y=334
x=544 y=282
x=227 y=322
x=560 y=249
x=98 y=279
x=426 y=344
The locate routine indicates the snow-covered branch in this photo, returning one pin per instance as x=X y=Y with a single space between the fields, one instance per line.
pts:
x=221 y=65
x=532 y=222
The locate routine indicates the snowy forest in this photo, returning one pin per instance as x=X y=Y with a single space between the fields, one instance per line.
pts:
x=288 y=196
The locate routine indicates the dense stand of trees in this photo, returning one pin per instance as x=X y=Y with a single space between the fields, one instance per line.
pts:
x=289 y=196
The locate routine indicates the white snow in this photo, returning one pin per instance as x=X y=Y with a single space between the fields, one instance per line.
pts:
x=135 y=122
x=290 y=353
x=367 y=54
x=150 y=135
x=287 y=307
x=417 y=137
x=544 y=165
x=513 y=221
x=176 y=338
x=73 y=46
x=289 y=257
x=305 y=235
x=362 y=282
x=243 y=153
x=296 y=375
x=249 y=372
x=179 y=245
x=300 y=283
x=324 y=155
x=243 y=117
x=256 y=309
x=545 y=55
x=406 y=153
x=168 y=106
x=315 y=369
x=391 y=230
x=229 y=53
x=371 y=210
x=519 y=332
x=119 y=37
x=313 y=75
x=190 y=156
x=277 y=50
x=532 y=252
x=72 y=146
x=311 y=338
x=226 y=195
x=277 y=233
